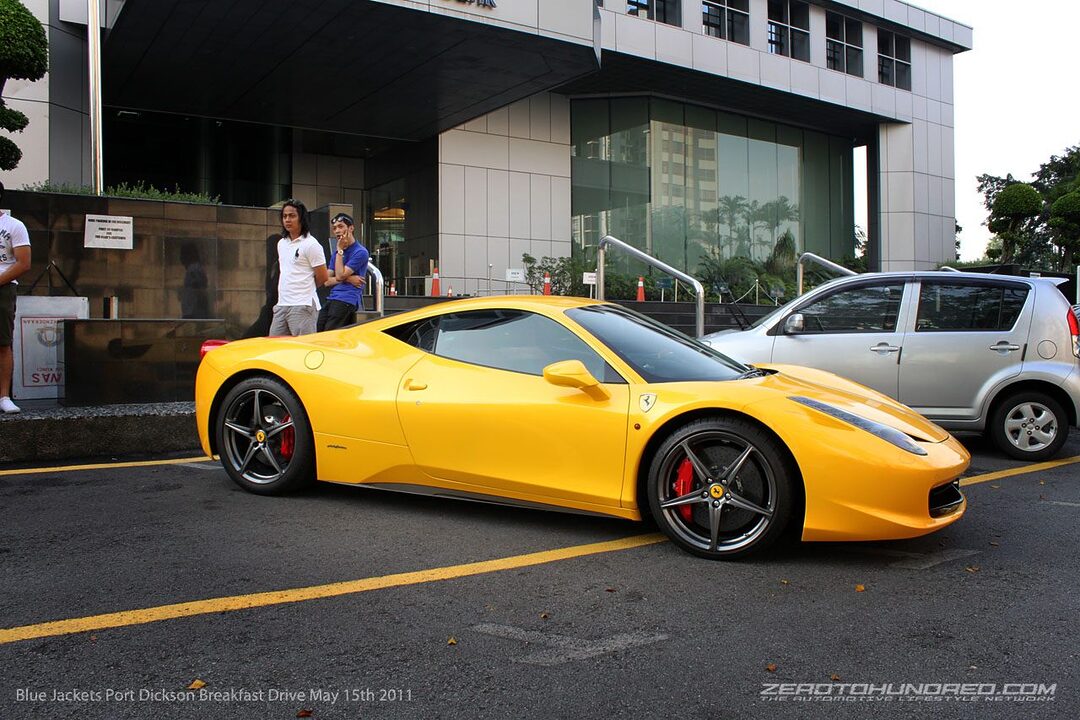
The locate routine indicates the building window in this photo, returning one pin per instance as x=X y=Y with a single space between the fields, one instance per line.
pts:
x=843 y=44
x=727 y=19
x=665 y=11
x=894 y=59
x=789 y=29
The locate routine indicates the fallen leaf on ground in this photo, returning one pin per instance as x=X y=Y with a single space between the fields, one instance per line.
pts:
x=196 y=684
x=304 y=713
x=771 y=667
x=609 y=589
x=785 y=582
x=834 y=677
x=973 y=568
x=543 y=616
x=996 y=487
x=995 y=544
x=452 y=641
x=860 y=588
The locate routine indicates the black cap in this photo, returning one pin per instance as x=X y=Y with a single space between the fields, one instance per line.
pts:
x=342 y=217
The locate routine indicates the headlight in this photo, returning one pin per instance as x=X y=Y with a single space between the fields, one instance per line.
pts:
x=886 y=433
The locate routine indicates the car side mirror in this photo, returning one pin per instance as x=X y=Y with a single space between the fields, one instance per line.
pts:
x=574 y=374
x=794 y=324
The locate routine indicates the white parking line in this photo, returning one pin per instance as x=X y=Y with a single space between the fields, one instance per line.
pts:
x=1062 y=502
x=929 y=560
x=565 y=649
x=201 y=466
x=912 y=560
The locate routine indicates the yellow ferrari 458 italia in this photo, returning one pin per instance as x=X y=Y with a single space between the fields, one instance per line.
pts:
x=582 y=406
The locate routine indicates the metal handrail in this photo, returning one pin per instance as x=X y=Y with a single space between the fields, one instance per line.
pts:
x=653 y=262
x=949 y=268
x=379 y=289
x=828 y=264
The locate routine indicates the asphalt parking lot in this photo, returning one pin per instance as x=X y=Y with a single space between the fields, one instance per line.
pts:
x=163 y=590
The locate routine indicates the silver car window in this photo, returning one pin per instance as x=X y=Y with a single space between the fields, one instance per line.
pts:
x=968 y=306
x=867 y=308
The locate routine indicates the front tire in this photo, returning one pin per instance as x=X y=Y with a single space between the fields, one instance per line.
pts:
x=1029 y=425
x=264 y=437
x=722 y=488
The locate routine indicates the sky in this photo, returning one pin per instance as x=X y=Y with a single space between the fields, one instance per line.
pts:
x=1017 y=101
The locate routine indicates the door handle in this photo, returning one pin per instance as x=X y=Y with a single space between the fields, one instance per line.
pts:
x=411 y=384
x=883 y=348
x=1004 y=347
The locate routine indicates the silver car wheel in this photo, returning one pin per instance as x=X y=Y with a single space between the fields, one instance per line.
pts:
x=732 y=493
x=258 y=436
x=1030 y=426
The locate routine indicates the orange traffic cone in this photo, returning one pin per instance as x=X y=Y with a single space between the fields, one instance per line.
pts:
x=450 y=291
x=393 y=290
x=435 y=291
x=641 y=289
x=547 y=283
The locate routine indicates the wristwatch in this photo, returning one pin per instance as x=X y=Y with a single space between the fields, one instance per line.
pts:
x=340 y=252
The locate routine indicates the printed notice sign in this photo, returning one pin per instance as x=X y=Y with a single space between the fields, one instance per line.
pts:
x=588 y=278
x=515 y=275
x=112 y=232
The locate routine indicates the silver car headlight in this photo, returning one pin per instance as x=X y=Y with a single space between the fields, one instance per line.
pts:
x=886 y=433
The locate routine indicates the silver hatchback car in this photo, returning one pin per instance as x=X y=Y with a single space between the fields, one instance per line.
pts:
x=970 y=351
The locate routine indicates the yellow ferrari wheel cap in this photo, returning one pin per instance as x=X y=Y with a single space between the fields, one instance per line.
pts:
x=260 y=436
x=717 y=491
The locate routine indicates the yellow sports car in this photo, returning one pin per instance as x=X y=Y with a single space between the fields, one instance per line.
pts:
x=581 y=406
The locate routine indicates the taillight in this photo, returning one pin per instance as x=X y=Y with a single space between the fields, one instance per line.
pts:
x=1074 y=330
x=209 y=345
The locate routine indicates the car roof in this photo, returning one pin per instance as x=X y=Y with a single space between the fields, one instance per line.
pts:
x=543 y=304
x=937 y=274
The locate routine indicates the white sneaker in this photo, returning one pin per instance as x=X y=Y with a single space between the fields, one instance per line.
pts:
x=7 y=406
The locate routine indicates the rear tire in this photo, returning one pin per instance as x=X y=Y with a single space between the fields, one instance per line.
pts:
x=1029 y=425
x=264 y=437
x=722 y=488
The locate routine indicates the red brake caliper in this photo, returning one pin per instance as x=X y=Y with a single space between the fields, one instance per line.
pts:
x=684 y=483
x=288 y=440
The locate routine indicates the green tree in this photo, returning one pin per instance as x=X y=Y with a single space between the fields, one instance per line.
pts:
x=23 y=56
x=1065 y=222
x=1011 y=214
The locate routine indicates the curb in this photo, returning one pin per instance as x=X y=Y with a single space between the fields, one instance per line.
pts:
x=83 y=432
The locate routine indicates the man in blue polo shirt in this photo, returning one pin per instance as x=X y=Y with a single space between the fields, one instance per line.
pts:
x=348 y=271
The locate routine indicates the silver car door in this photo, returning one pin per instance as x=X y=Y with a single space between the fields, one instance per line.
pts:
x=968 y=337
x=853 y=331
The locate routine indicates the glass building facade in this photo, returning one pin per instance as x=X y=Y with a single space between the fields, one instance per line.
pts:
x=685 y=183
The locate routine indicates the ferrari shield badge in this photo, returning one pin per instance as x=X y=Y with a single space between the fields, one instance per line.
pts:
x=647 y=402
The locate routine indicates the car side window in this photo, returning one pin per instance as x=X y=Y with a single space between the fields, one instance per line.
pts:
x=513 y=340
x=420 y=334
x=869 y=308
x=969 y=307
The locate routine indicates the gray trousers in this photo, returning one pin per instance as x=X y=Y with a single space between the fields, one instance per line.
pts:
x=293 y=320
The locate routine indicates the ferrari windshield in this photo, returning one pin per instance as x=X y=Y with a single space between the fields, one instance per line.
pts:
x=656 y=352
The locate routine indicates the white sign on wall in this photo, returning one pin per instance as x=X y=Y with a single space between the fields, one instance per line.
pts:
x=39 y=343
x=112 y=232
x=515 y=275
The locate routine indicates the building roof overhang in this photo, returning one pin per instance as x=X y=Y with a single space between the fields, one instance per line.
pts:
x=348 y=66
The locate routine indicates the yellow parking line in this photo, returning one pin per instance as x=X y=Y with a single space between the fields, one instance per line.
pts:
x=987 y=477
x=102 y=466
x=279 y=597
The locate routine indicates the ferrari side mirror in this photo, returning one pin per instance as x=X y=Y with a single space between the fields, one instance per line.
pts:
x=574 y=374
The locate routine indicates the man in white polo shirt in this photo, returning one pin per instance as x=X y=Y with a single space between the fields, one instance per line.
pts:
x=303 y=268
x=14 y=261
